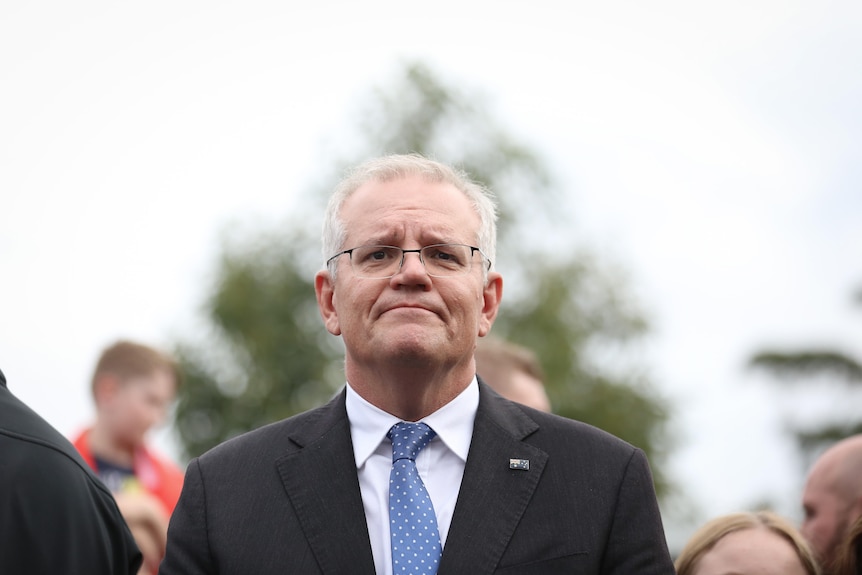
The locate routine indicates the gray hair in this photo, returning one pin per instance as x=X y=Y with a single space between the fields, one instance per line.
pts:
x=395 y=167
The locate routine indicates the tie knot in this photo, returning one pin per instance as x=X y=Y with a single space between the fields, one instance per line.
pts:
x=408 y=439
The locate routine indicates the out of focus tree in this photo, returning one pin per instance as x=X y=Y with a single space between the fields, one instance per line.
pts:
x=832 y=371
x=269 y=356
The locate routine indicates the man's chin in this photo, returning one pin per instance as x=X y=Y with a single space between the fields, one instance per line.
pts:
x=418 y=347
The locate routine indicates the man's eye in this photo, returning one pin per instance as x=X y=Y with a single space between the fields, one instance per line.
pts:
x=448 y=256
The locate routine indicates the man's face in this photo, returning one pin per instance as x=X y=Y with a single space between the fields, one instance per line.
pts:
x=410 y=317
x=826 y=514
x=133 y=407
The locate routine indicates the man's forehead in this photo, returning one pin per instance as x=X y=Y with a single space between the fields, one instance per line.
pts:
x=391 y=190
x=379 y=233
x=393 y=212
x=822 y=481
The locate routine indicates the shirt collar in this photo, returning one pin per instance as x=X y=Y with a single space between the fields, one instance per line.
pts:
x=453 y=423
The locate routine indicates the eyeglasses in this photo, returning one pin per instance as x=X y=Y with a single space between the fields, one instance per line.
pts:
x=440 y=260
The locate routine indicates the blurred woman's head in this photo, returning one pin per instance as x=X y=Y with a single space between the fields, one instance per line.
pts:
x=747 y=543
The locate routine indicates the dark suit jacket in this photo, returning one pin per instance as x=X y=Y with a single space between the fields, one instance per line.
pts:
x=55 y=515
x=285 y=499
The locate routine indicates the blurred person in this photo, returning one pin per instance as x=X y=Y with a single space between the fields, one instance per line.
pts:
x=415 y=437
x=760 y=543
x=133 y=386
x=848 y=559
x=513 y=371
x=832 y=498
x=56 y=517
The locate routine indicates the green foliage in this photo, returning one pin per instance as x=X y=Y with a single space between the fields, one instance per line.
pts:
x=814 y=366
x=805 y=364
x=570 y=311
x=813 y=441
x=269 y=355
x=268 y=358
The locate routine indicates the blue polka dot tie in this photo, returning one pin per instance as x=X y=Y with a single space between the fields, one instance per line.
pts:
x=412 y=521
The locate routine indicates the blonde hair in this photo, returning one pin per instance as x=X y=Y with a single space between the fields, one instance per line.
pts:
x=848 y=560
x=709 y=534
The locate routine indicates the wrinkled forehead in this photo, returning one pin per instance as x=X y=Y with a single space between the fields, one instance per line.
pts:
x=432 y=211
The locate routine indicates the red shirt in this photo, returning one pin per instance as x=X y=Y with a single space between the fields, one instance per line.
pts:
x=159 y=477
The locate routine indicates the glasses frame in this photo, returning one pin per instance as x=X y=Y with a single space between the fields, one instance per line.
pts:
x=473 y=250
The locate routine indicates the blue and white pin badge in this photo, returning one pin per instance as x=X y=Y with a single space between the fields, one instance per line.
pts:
x=521 y=464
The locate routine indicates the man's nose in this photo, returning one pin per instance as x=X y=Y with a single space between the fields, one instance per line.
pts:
x=412 y=268
x=411 y=262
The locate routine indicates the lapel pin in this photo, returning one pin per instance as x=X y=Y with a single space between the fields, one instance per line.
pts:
x=522 y=464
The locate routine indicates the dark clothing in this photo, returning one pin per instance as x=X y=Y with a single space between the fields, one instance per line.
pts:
x=286 y=499
x=55 y=515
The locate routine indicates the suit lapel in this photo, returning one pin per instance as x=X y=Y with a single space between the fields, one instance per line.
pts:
x=320 y=480
x=493 y=497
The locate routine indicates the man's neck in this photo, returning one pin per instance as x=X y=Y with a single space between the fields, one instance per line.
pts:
x=103 y=446
x=409 y=394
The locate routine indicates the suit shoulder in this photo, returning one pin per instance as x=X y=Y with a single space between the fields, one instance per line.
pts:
x=556 y=430
x=551 y=432
x=276 y=437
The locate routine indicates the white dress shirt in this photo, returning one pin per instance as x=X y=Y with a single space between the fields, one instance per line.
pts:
x=440 y=464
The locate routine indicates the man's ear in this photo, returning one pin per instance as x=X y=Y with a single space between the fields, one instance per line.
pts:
x=324 y=288
x=492 y=293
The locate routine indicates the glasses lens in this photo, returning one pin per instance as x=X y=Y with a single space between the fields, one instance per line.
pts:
x=375 y=261
x=385 y=261
x=447 y=259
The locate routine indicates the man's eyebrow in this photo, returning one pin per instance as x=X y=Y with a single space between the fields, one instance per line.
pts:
x=379 y=240
x=426 y=239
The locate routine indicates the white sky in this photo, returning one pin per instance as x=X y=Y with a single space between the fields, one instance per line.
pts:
x=713 y=150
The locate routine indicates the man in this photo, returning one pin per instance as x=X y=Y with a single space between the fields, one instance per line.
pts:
x=512 y=371
x=500 y=488
x=133 y=385
x=56 y=516
x=832 y=499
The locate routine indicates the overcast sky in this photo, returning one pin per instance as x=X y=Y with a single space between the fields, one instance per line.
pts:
x=711 y=150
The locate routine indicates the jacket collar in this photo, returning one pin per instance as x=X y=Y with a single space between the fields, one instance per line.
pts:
x=491 y=501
